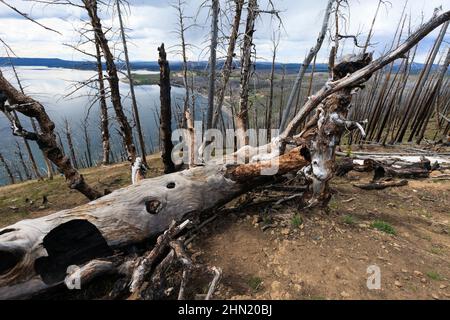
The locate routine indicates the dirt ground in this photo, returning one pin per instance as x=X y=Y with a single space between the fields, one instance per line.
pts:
x=281 y=252
x=325 y=255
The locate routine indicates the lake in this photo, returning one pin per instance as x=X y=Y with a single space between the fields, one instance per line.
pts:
x=50 y=86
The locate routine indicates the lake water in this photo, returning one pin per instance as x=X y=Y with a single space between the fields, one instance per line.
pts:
x=51 y=86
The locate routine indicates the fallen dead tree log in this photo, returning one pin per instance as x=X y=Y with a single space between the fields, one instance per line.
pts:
x=392 y=168
x=35 y=254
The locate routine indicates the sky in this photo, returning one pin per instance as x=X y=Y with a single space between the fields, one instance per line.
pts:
x=150 y=22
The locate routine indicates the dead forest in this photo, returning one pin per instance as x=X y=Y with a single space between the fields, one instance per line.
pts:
x=367 y=111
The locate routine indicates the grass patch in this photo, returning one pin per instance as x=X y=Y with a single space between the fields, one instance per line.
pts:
x=349 y=219
x=255 y=283
x=434 y=276
x=296 y=221
x=383 y=226
x=436 y=251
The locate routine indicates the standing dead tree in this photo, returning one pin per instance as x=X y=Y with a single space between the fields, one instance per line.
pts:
x=5 y=164
x=131 y=82
x=113 y=78
x=228 y=64
x=19 y=154
x=104 y=120
x=46 y=138
x=68 y=134
x=182 y=28
x=215 y=8
x=269 y=108
x=301 y=73
x=166 y=111
x=241 y=118
x=32 y=263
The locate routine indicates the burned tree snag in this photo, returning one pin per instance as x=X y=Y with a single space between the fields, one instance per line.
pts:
x=228 y=65
x=166 y=111
x=246 y=71
x=104 y=121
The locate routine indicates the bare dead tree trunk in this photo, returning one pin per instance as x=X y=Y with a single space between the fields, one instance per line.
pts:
x=269 y=110
x=228 y=65
x=166 y=111
x=48 y=164
x=113 y=78
x=246 y=72
x=181 y=33
x=131 y=81
x=68 y=134
x=369 y=36
x=104 y=120
x=434 y=95
x=215 y=8
x=299 y=79
x=87 y=142
x=416 y=91
x=19 y=154
x=281 y=104
x=7 y=169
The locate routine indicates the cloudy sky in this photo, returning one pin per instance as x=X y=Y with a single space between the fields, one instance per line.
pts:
x=151 y=22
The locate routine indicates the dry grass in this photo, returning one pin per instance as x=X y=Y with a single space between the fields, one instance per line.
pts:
x=24 y=200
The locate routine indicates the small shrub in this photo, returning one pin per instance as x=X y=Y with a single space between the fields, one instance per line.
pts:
x=296 y=221
x=384 y=227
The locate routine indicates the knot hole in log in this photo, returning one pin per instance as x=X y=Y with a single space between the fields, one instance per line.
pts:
x=152 y=206
x=171 y=185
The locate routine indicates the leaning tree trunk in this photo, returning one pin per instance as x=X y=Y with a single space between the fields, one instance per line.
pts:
x=301 y=73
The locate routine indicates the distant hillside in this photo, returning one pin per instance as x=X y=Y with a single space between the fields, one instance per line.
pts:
x=153 y=65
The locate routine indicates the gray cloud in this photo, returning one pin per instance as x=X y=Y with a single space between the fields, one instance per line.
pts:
x=154 y=21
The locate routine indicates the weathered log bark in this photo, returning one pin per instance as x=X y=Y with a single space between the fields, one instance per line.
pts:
x=35 y=254
x=165 y=128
